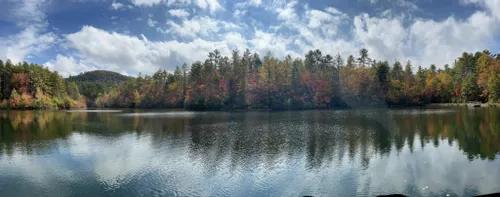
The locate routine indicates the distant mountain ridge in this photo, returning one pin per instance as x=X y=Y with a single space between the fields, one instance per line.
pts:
x=99 y=76
x=93 y=83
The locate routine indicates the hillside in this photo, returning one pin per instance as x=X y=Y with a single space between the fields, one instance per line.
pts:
x=93 y=83
x=102 y=76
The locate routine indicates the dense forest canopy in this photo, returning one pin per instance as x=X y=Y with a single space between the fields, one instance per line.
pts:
x=30 y=86
x=247 y=81
x=93 y=83
x=102 y=76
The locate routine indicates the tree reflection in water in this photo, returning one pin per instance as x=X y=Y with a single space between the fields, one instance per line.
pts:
x=323 y=137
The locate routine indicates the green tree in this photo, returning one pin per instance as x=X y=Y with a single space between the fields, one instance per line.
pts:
x=2 y=71
x=15 y=99
x=363 y=58
x=350 y=61
x=397 y=71
x=184 y=83
x=73 y=91
x=6 y=76
x=137 y=99
x=336 y=100
x=382 y=76
x=470 y=89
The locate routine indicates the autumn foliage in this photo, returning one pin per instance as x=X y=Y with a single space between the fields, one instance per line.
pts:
x=30 y=86
x=317 y=81
x=246 y=81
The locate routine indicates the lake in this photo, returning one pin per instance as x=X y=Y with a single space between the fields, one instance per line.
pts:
x=416 y=152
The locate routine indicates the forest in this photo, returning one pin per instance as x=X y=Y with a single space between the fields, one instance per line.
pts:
x=246 y=81
x=31 y=86
x=319 y=81
x=91 y=83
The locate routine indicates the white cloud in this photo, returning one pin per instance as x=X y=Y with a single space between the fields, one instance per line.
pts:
x=116 y=6
x=422 y=41
x=33 y=38
x=239 y=13
x=425 y=41
x=152 y=23
x=124 y=53
x=327 y=22
x=450 y=38
x=492 y=6
x=146 y=2
x=199 y=26
x=211 y=5
x=180 y=13
x=67 y=66
x=407 y=4
x=202 y=26
x=253 y=3
x=288 y=13
x=28 y=42
x=384 y=38
x=316 y=30
x=334 y=11
x=236 y=41
x=267 y=42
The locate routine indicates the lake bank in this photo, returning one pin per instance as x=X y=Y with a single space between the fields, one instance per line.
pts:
x=463 y=105
x=431 y=105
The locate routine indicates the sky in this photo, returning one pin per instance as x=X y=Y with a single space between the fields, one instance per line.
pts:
x=142 y=36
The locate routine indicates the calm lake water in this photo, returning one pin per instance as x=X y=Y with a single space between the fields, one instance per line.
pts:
x=416 y=152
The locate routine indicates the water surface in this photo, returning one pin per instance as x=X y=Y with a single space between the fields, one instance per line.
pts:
x=416 y=152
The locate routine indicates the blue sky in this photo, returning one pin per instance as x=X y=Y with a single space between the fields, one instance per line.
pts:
x=132 y=36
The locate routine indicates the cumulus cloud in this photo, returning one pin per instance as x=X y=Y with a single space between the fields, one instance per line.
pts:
x=239 y=13
x=425 y=41
x=384 y=38
x=297 y=29
x=211 y=5
x=493 y=6
x=152 y=23
x=264 y=42
x=312 y=33
x=252 y=3
x=180 y=13
x=288 y=13
x=327 y=22
x=391 y=38
x=26 y=43
x=124 y=53
x=116 y=6
x=146 y=2
x=67 y=66
x=406 y=4
x=30 y=17
x=199 y=26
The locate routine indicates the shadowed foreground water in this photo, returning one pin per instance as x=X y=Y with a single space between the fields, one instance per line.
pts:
x=416 y=152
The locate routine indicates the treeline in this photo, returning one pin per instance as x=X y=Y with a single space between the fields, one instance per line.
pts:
x=31 y=86
x=318 y=81
x=91 y=83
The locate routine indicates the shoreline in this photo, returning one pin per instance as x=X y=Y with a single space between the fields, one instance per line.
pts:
x=248 y=110
x=463 y=105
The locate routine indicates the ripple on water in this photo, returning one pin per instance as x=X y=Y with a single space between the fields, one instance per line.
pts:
x=184 y=114
x=96 y=111
x=422 y=112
